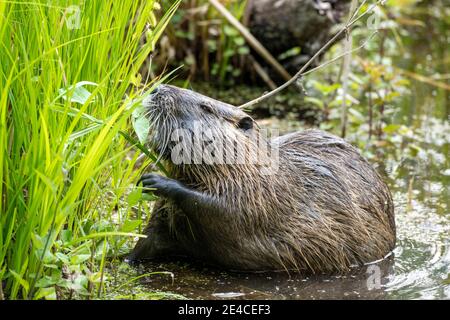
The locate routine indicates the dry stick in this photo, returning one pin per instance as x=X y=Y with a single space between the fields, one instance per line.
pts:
x=251 y=40
x=346 y=71
x=300 y=73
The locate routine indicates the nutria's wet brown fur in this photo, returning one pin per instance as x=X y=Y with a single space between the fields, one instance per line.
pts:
x=323 y=209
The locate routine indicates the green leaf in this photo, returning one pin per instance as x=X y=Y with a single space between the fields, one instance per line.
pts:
x=62 y=257
x=140 y=123
x=66 y=236
x=141 y=127
x=414 y=149
x=230 y=31
x=315 y=101
x=130 y=225
x=228 y=53
x=290 y=53
x=80 y=284
x=134 y=197
x=49 y=258
x=239 y=41
x=80 y=258
x=243 y=50
x=46 y=293
x=391 y=128
x=38 y=241
x=24 y=283
x=77 y=93
x=47 y=281
x=149 y=197
x=325 y=88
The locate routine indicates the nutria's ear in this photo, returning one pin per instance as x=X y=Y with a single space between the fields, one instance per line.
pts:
x=245 y=123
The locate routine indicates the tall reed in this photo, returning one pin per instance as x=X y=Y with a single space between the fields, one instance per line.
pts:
x=69 y=78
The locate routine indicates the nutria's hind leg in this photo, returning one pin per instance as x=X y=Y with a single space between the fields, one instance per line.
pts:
x=159 y=242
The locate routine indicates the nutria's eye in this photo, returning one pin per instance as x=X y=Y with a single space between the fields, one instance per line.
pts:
x=246 y=123
x=206 y=107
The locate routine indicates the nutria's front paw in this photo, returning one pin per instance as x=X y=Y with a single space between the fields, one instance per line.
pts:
x=159 y=185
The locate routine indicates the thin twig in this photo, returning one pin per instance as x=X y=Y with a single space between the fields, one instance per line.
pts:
x=300 y=73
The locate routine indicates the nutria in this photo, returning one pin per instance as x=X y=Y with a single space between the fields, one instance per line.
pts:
x=317 y=206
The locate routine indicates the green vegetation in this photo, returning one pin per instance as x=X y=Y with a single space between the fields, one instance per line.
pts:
x=68 y=82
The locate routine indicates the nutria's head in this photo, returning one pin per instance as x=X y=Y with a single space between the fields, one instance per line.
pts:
x=190 y=128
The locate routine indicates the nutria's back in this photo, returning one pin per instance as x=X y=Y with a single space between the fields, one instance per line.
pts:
x=321 y=208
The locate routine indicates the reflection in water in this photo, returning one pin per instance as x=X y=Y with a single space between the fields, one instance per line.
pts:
x=193 y=281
